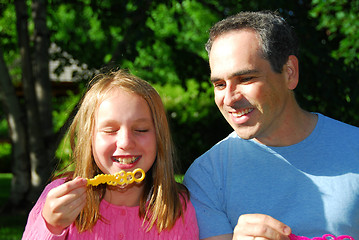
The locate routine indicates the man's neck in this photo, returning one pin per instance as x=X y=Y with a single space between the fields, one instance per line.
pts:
x=297 y=127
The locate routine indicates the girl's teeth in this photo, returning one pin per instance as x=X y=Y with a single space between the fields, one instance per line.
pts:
x=126 y=160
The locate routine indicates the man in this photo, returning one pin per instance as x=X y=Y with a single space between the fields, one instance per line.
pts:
x=283 y=170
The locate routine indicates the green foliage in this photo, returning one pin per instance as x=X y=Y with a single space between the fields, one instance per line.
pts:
x=179 y=178
x=5 y=147
x=8 y=39
x=5 y=157
x=63 y=107
x=5 y=185
x=63 y=155
x=340 y=19
x=79 y=23
x=176 y=52
x=3 y=126
x=327 y=84
x=187 y=106
x=7 y=24
x=192 y=115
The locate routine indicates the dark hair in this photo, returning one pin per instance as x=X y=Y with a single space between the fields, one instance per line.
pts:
x=277 y=39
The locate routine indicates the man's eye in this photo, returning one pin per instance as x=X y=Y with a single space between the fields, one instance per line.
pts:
x=219 y=85
x=247 y=79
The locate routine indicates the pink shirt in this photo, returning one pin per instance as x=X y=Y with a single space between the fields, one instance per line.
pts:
x=123 y=223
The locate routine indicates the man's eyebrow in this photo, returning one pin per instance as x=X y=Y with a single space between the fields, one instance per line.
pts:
x=236 y=74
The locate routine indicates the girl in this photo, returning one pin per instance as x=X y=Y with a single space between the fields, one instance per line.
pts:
x=121 y=125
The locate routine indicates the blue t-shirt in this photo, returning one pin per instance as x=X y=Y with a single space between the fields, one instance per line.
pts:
x=312 y=186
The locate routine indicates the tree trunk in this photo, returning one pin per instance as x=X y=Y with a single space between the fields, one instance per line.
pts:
x=20 y=165
x=43 y=83
x=36 y=145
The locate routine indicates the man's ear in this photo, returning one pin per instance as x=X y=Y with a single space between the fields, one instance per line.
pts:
x=291 y=69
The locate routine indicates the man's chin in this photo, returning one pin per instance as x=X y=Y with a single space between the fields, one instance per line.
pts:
x=246 y=135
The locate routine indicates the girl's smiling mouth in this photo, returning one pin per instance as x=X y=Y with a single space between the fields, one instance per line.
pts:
x=126 y=160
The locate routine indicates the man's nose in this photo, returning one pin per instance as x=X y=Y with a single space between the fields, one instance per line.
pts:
x=232 y=94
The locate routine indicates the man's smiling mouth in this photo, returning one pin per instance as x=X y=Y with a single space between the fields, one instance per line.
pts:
x=243 y=112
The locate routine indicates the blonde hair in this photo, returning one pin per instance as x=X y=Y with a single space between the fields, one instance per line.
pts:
x=160 y=203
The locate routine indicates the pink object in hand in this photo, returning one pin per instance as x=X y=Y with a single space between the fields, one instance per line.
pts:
x=325 y=237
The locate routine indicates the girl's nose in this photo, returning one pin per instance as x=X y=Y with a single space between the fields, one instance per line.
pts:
x=125 y=139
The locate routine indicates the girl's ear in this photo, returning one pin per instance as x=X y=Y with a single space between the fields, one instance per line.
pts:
x=291 y=69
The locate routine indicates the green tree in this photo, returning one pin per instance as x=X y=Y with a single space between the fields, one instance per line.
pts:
x=340 y=20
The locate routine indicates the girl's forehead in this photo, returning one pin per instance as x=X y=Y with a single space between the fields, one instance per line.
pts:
x=114 y=91
x=122 y=97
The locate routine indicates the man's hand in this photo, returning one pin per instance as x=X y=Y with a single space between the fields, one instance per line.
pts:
x=260 y=227
x=63 y=204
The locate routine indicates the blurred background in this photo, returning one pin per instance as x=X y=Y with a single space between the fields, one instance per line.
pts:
x=49 y=50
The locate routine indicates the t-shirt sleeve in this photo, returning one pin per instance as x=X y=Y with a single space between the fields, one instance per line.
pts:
x=36 y=226
x=207 y=198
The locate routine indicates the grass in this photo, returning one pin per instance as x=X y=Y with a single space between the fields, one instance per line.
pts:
x=5 y=184
x=11 y=225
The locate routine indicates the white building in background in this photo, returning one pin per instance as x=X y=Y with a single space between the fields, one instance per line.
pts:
x=68 y=74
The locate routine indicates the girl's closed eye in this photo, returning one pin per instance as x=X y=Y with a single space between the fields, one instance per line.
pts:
x=109 y=130
x=142 y=130
x=143 y=126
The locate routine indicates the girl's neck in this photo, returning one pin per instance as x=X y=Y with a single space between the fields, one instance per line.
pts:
x=129 y=196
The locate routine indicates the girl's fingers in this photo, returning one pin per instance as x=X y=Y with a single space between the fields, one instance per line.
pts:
x=75 y=203
x=64 y=203
x=66 y=192
x=74 y=197
x=68 y=187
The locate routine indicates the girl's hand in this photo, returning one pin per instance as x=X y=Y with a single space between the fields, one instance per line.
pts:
x=63 y=204
x=260 y=226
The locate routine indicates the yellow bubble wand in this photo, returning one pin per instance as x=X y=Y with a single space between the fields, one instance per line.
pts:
x=121 y=178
